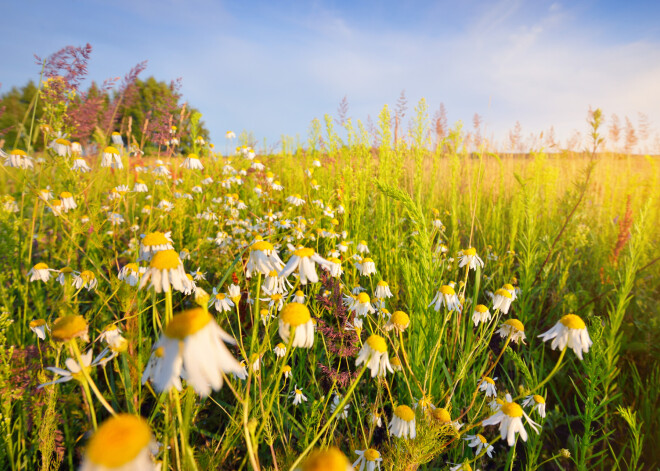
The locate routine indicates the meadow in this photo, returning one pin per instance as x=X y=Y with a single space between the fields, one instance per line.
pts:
x=354 y=300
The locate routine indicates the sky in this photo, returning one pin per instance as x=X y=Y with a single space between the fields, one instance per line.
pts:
x=271 y=67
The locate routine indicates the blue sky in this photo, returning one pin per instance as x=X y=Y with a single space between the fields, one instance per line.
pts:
x=271 y=67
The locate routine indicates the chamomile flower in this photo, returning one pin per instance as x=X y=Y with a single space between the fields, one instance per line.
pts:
x=111 y=158
x=383 y=290
x=570 y=331
x=330 y=459
x=333 y=266
x=512 y=290
x=140 y=186
x=299 y=297
x=121 y=443
x=61 y=146
x=446 y=296
x=509 y=418
x=111 y=335
x=191 y=347
x=67 y=201
x=336 y=400
x=221 y=301
x=18 y=158
x=366 y=267
x=117 y=139
x=480 y=315
x=198 y=275
x=399 y=321
x=502 y=300
x=376 y=418
x=362 y=305
x=80 y=165
x=513 y=328
x=374 y=355
x=362 y=247
x=86 y=279
x=295 y=200
x=280 y=350
x=464 y=466
x=487 y=385
x=368 y=460
x=286 y=371
x=40 y=272
x=298 y=396
x=263 y=258
x=402 y=424
x=70 y=327
x=192 y=162
x=537 y=402
x=303 y=260
x=424 y=404
x=470 y=258
x=39 y=327
x=166 y=272
x=154 y=242
x=275 y=301
x=480 y=442
x=74 y=369
x=296 y=316
x=130 y=273
x=396 y=365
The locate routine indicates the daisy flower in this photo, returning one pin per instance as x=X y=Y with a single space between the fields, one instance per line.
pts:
x=470 y=258
x=480 y=315
x=130 y=273
x=402 y=424
x=303 y=260
x=275 y=301
x=396 y=365
x=399 y=321
x=192 y=162
x=40 y=272
x=374 y=355
x=140 y=186
x=383 y=290
x=280 y=350
x=299 y=297
x=570 y=331
x=154 y=242
x=221 y=302
x=487 y=385
x=368 y=460
x=362 y=247
x=502 y=300
x=191 y=347
x=362 y=305
x=166 y=272
x=18 y=158
x=111 y=158
x=70 y=327
x=234 y=292
x=295 y=200
x=376 y=419
x=286 y=371
x=122 y=443
x=117 y=139
x=480 y=442
x=366 y=267
x=331 y=459
x=298 y=396
x=446 y=296
x=333 y=266
x=263 y=258
x=513 y=328
x=509 y=418
x=335 y=403
x=296 y=316
x=39 y=327
x=112 y=336
x=86 y=279
x=80 y=165
x=537 y=402
x=74 y=370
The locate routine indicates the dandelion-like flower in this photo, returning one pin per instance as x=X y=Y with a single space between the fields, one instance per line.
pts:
x=570 y=331
x=513 y=328
x=191 y=347
x=374 y=355
x=368 y=460
x=402 y=424
x=303 y=260
x=480 y=442
x=296 y=316
x=122 y=443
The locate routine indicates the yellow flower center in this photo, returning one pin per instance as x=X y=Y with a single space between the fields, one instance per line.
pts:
x=363 y=242
x=110 y=150
x=262 y=245
x=87 y=276
x=159 y=352
x=405 y=413
x=489 y=380
x=516 y=324
x=165 y=260
x=62 y=141
x=132 y=267
x=367 y=260
x=363 y=298
x=371 y=454
x=295 y=314
x=276 y=296
x=286 y=369
x=503 y=292
x=395 y=361
x=573 y=322
x=512 y=409
x=69 y=327
x=539 y=399
x=508 y=287
x=382 y=283
x=481 y=438
x=41 y=266
x=481 y=308
x=334 y=260
x=304 y=252
x=118 y=441
x=273 y=274
x=327 y=460
x=448 y=290
x=400 y=319
x=470 y=252
x=300 y=293
x=37 y=323
x=377 y=343
x=187 y=323
x=280 y=346
x=220 y=296
x=18 y=152
x=442 y=415
x=155 y=238
x=65 y=194
x=193 y=156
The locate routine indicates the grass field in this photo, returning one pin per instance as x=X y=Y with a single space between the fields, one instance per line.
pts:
x=373 y=322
